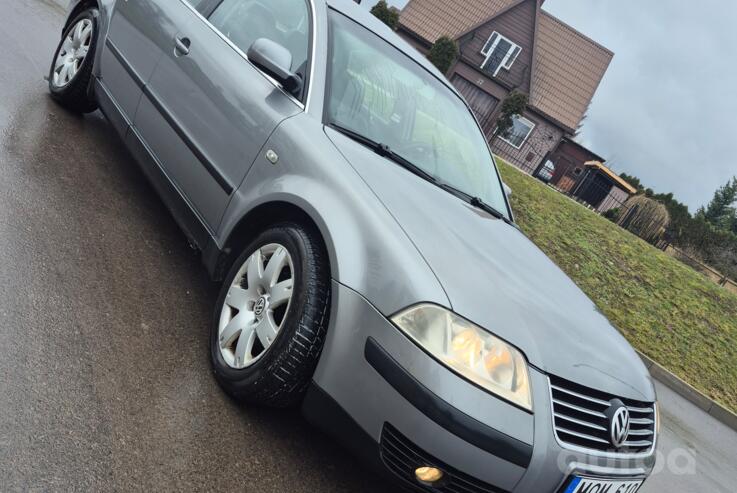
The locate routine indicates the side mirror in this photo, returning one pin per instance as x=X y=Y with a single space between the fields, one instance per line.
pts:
x=507 y=190
x=276 y=62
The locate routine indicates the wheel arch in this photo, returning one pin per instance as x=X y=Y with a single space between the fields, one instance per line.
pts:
x=256 y=220
x=78 y=8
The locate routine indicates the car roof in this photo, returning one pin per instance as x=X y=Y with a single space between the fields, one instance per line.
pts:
x=362 y=16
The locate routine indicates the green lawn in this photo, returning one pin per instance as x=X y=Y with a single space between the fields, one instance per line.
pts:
x=668 y=311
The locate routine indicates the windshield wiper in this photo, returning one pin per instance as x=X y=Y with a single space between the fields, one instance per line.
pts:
x=477 y=202
x=384 y=150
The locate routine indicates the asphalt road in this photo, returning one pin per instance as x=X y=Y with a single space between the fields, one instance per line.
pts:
x=104 y=314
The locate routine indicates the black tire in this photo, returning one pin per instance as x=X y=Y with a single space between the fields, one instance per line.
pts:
x=280 y=377
x=75 y=96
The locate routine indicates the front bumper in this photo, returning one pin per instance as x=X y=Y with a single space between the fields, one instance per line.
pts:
x=379 y=386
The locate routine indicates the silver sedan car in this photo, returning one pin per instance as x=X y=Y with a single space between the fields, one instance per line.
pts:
x=372 y=272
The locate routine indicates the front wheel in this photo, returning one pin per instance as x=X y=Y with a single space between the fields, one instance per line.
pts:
x=70 y=75
x=271 y=317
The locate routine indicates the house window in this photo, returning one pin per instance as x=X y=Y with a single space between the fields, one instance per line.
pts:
x=500 y=53
x=519 y=131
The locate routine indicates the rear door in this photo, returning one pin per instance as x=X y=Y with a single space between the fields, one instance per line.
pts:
x=208 y=111
x=131 y=53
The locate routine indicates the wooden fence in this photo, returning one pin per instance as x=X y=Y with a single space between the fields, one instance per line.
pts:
x=708 y=271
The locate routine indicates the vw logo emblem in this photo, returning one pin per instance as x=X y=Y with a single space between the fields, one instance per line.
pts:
x=619 y=423
x=260 y=306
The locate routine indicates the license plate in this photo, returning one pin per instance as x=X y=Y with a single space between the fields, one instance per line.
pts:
x=589 y=485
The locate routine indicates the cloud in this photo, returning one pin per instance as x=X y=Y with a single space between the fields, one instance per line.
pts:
x=667 y=108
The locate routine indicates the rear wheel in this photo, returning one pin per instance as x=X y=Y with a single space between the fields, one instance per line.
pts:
x=70 y=75
x=271 y=317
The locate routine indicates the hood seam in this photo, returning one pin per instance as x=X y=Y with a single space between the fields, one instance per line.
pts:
x=409 y=238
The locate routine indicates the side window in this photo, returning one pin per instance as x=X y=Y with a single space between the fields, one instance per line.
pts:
x=286 y=22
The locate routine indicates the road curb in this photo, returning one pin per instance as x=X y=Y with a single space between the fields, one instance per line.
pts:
x=710 y=406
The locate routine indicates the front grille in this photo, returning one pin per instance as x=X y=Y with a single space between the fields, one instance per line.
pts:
x=580 y=420
x=402 y=457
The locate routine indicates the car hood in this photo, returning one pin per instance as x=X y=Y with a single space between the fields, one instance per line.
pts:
x=497 y=278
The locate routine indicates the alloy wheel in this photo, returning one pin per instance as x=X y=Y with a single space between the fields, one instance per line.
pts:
x=73 y=52
x=256 y=306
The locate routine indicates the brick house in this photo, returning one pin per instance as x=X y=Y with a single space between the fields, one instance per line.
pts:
x=514 y=44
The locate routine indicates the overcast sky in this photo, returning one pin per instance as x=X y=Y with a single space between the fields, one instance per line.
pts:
x=666 y=110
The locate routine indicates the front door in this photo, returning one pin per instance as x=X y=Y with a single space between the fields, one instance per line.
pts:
x=208 y=111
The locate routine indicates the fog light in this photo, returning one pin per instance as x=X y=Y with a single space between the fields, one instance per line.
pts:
x=428 y=475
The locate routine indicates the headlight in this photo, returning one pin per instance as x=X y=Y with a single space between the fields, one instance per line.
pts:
x=470 y=351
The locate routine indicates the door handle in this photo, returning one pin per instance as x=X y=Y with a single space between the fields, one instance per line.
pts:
x=182 y=46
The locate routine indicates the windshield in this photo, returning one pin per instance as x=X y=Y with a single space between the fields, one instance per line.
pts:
x=380 y=93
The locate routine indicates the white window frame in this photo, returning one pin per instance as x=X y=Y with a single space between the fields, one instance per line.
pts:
x=487 y=50
x=528 y=122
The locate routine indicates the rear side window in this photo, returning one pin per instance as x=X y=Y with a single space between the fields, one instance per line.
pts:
x=286 y=22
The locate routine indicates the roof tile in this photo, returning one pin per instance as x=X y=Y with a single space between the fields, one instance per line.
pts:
x=568 y=65
x=569 y=68
x=432 y=19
